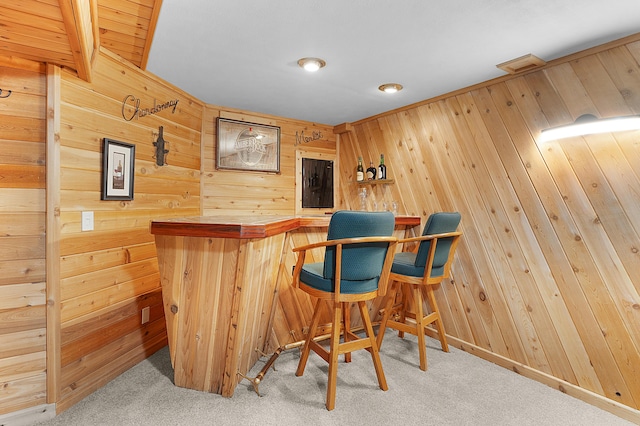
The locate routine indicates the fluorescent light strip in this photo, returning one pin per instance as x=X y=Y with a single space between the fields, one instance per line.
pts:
x=588 y=125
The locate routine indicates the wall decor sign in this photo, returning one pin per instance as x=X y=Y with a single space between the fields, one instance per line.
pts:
x=247 y=146
x=302 y=138
x=131 y=107
x=118 y=170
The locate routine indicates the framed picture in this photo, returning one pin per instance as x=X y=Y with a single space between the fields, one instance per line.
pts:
x=118 y=170
x=247 y=146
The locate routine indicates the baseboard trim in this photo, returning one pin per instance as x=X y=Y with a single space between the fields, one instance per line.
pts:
x=585 y=395
x=29 y=416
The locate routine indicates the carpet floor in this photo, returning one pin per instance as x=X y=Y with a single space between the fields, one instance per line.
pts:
x=457 y=389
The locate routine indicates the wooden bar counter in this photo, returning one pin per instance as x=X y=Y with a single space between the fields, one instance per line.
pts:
x=226 y=288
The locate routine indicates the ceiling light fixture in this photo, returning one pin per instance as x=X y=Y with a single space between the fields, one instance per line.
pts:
x=390 y=88
x=589 y=124
x=311 y=64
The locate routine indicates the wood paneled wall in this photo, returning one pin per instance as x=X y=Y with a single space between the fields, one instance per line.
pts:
x=22 y=235
x=108 y=275
x=228 y=192
x=99 y=281
x=546 y=279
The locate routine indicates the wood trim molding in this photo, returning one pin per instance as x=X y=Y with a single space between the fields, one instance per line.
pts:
x=52 y=236
x=343 y=128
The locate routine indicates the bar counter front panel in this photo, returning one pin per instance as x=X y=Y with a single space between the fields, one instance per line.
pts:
x=226 y=288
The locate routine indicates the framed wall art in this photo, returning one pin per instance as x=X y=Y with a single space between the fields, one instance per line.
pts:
x=247 y=146
x=118 y=170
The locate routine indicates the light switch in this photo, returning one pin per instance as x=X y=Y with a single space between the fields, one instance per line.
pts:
x=145 y=315
x=87 y=221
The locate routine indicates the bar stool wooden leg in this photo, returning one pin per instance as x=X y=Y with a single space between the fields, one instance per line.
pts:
x=334 y=351
x=304 y=356
x=373 y=348
x=431 y=298
x=347 y=327
x=405 y=303
x=391 y=299
x=420 y=323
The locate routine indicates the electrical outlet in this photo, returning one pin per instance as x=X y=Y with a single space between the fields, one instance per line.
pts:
x=145 y=315
x=87 y=221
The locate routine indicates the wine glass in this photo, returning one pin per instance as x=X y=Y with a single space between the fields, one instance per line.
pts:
x=363 y=198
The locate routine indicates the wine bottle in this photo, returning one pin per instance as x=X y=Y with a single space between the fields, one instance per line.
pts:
x=360 y=171
x=382 y=169
x=371 y=171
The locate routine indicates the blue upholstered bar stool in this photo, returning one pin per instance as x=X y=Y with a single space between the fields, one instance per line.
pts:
x=358 y=255
x=424 y=269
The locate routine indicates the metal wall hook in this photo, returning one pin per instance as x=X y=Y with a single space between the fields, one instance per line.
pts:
x=5 y=96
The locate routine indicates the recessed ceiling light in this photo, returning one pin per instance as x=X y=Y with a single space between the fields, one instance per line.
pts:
x=390 y=88
x=311 y=64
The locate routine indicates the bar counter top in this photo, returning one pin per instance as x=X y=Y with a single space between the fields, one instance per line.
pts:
x=255 y=226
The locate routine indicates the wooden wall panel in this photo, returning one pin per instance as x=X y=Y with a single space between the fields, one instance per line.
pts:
x=545 y=279
x=108 y=275
x=22 y=237
x=228 y=192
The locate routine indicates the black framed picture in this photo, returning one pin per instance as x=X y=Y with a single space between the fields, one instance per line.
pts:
x=118 y=170
x=247 y=146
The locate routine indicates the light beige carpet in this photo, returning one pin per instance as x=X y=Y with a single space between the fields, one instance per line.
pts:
x=458 y=389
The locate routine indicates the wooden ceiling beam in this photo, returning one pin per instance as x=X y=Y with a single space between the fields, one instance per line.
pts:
x=150 y=33
x=80 y=18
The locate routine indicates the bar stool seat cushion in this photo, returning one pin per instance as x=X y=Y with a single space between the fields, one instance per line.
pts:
x=404 y=263
x=312 y=275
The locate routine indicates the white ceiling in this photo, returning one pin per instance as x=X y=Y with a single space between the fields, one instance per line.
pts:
x=243 y=53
